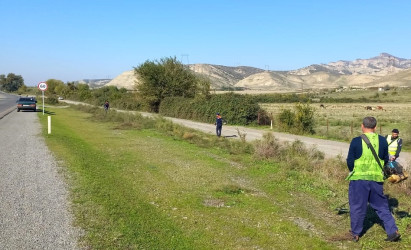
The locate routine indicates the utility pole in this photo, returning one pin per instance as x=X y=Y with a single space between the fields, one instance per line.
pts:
x=182 y=58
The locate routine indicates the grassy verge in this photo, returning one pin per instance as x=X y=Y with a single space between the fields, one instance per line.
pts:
x=149 y=184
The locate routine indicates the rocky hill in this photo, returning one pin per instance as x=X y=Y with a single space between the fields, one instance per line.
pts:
x=224 y=76
x=378 y=71
x=94 y=83
x=125 y=80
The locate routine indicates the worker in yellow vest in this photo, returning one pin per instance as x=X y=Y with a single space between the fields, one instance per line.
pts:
x=366 y=182
x=394 y=146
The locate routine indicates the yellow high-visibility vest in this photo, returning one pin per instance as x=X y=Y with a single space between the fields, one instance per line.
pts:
x=392 y=148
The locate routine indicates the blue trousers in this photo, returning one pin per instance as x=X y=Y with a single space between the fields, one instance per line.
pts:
x=218 y=130
x=360 y=193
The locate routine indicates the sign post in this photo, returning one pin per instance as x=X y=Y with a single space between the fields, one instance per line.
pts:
x=43 y=87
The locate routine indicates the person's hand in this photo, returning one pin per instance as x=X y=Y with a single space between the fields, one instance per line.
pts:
x=392 y=158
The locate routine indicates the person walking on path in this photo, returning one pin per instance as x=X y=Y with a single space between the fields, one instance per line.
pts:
x=366 y=181
x=106 y=106
x=219 y=124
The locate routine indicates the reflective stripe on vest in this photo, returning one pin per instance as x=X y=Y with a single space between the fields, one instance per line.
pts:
x=366 y=167
x=392 y=148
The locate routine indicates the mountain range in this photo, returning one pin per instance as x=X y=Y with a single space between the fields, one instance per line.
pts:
x=380 y=71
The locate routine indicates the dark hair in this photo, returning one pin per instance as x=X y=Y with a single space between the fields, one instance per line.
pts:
x=395 y=131
x=369 y=122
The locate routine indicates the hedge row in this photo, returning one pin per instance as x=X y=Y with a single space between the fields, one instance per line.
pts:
x=234 y=108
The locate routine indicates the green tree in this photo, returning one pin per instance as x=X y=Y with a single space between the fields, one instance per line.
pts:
x=305 y=118
x=11 y=83
x=22 y=90
x=84 y=92
x=54 y=86
x=69 y=90
x=167 y=78
x=2 y=81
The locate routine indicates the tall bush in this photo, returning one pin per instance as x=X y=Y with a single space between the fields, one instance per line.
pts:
x=167 y=78
x=234 y=108
x=305 y=118
x=286 y=119
x=299 y=121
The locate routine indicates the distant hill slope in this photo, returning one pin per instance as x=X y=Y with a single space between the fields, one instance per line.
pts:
x=94 y=83
x=125 y=80
x=378 y=71
x=400 y=79
x=224 y=76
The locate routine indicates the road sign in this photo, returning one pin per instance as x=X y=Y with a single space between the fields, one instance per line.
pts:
x=42 y=86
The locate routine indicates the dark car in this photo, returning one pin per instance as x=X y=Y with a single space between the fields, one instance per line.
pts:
x=26 y=103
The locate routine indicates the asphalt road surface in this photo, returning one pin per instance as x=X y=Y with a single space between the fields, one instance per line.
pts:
x=7 y=103
x=34 y=208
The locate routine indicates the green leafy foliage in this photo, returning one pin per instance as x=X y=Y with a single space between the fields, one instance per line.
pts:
x=299 y=121
x=286 y=118
x=51 y=99
x=54 y=87
x=167 y=78
x=118 y=98
x=11 y=83
x=234 y=108
x=305 y=118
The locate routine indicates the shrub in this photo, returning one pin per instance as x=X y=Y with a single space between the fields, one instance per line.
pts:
x=51 y=100
x=305 y=118
x=286 y=119
x=268 y=147
x=234 y=108
x=300 y=121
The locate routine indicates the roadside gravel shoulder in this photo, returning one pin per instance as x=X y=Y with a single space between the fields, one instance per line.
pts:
x=34 y=202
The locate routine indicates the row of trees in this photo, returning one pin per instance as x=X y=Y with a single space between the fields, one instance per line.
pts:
x=169 y=87
x=12 y=82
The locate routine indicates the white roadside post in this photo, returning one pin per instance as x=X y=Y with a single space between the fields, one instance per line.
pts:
x=49 y=124
x=43 y=87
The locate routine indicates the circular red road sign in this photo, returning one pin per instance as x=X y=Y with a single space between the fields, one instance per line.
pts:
x=42 y=86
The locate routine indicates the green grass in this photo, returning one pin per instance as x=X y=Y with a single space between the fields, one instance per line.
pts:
x=342 y=121
x=145 y=187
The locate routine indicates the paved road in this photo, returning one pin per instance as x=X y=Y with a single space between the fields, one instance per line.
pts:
x=34 y=210
x=7 y=103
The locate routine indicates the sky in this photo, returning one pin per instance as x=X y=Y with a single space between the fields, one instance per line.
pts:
x=98 y=39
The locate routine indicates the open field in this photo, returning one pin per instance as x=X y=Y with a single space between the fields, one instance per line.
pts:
x=395 y=95
x=135 y=187
x=344 y=119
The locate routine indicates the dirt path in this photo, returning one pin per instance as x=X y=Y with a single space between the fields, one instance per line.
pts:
x=330 y=148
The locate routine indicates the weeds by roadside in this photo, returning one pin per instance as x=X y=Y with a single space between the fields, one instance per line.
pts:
x=291 y=189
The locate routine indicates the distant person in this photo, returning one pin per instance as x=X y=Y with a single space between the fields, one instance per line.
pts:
x=394 y=146
x=366 y=181
x=219 y=124
x=106 y=106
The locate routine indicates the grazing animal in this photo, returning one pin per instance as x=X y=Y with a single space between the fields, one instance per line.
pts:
x=368 y=107
x=322 y=106
x=380 y=108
